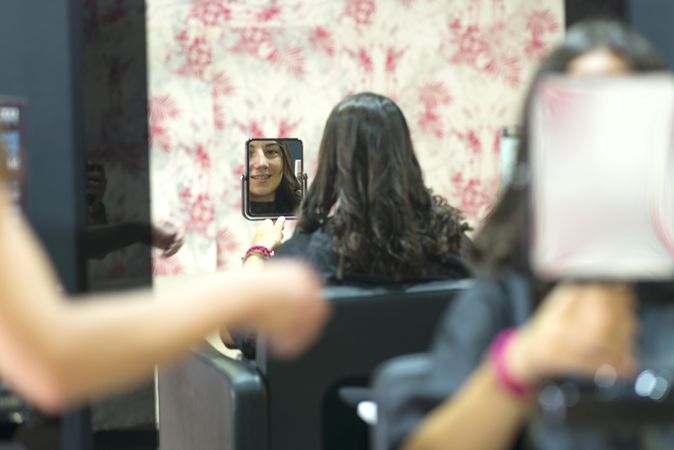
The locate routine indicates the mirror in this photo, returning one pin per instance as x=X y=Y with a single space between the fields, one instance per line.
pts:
x=274 y=181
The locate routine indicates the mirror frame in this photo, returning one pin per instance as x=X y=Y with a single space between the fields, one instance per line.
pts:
x=245 y=193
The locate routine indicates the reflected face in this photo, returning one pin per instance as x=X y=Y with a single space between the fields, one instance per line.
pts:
x=265 y=160
x=598 y=63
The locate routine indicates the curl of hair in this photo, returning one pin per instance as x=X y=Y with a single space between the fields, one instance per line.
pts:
x=387 y=222
x=289 y=191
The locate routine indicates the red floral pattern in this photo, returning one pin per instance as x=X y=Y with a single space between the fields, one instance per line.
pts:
x=222 y=71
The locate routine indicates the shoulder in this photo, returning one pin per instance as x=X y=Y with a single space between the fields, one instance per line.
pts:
x=314 y=248
x=300 y=242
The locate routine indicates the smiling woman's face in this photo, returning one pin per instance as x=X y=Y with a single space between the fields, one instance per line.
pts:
x=265 y=169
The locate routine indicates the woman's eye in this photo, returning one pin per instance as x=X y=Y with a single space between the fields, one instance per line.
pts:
x=272 y=152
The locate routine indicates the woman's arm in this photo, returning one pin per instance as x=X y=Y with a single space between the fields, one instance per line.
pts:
x=57 y=353
x=270 y=235
x=482 y=415
x=576 y=330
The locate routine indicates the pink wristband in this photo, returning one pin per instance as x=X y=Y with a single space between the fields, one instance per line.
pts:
x=264 y=251
x=497 y=359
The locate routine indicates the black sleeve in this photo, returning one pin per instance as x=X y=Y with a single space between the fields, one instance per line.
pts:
x=465 y=332
x=312 y=248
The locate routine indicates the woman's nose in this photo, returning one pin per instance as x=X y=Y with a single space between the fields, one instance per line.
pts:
x=258 y=159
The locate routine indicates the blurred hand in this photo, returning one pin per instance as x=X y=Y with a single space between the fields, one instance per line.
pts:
x=167 y=238
x=577 y=330
x=288 y=306
x=270 y=234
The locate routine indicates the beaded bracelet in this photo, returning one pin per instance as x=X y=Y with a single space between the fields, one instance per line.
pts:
x=261 y=250
x=497 y=359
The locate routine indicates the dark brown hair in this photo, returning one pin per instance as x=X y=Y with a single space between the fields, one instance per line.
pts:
x=387 y=222
x=289 y=192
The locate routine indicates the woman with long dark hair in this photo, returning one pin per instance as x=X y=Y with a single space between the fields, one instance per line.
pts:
x=368 y=214
x=511 y=331
x=274 y=188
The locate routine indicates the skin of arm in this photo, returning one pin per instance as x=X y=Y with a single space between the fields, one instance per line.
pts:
x=482 y=415
x=57 y=353
x=270 y=235
x=577 y=329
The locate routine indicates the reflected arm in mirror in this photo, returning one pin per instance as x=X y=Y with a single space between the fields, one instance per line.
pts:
x=103 y=239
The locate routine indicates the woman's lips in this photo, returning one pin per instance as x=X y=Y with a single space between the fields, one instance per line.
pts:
x=260 y=177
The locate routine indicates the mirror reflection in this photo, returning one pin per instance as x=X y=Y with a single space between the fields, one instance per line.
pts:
x=274 y=177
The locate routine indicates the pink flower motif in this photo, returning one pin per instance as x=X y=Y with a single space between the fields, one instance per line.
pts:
x=323 y=39
x=202 y=157
x=535 y=49
x=286 y=129
x=251 y=129
x=162 y=266
x=226 y=245
x=360 y=11
x=202 y=214
x=185 y=194
x=542 y=21
x=238 y=171
x=496 y=143
x=268 y=13
x=211 y=12
x=252 y=39
x=221 y=87
x=471 y=139
x=505 y=67
x=365 y=60
x=159 y=135
x=539 y=23
x=470 y=45
x=473 y=199
x=393 y=57
x=161 y=108
x=434 y=94
x=199 y=56
x=291 y=58
x=431 y=122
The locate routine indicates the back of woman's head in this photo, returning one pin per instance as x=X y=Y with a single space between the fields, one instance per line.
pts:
x=369 y=193
x=504 y=238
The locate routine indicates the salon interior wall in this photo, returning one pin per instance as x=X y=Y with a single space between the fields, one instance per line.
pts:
x=655 y=19
x=221 y=71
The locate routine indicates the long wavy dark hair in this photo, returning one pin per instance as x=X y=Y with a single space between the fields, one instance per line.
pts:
x=369 y=195
x=289 y=191
x=503 y=241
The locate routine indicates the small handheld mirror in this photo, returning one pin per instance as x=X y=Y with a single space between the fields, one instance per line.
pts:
x=274 y=181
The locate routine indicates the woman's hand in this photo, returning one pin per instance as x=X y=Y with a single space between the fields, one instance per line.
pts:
x=578 y=329
x=270 y=234
x=287 y=306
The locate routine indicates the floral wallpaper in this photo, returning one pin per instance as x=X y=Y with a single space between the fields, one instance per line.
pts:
x=222 y=71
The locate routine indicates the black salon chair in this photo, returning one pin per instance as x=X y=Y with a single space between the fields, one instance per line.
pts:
x=211 y=402
x=390 y=379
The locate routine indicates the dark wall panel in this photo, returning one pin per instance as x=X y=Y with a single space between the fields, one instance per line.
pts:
x=655 y=20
